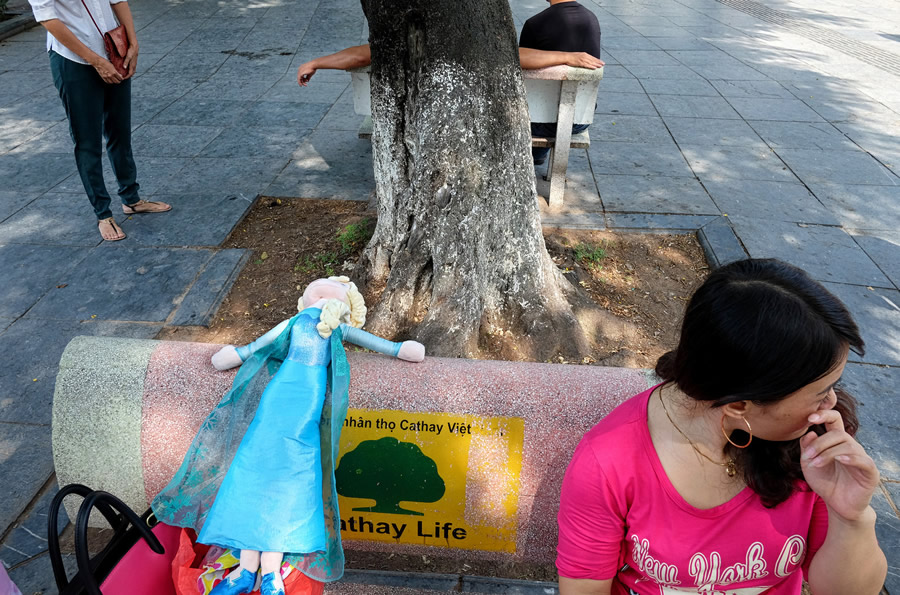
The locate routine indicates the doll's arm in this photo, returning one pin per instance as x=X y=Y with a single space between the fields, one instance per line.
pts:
x=230 y=356
x=411 y=351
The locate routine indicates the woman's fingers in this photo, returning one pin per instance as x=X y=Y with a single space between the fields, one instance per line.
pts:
x=830 y=418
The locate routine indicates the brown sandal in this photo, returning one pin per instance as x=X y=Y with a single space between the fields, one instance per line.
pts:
x=116 y=231
x=146 y=206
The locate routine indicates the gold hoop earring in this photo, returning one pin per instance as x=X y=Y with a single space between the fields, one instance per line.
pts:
x=727 y=437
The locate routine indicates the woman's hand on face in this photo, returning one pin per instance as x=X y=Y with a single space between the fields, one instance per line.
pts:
x=837 y=468
x=108 y=72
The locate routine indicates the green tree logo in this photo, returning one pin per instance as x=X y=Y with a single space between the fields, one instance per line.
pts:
x=389 y=471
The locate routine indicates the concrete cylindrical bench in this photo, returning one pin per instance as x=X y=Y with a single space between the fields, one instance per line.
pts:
x=499 y=435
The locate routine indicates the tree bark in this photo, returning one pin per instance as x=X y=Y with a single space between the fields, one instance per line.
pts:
x=458 y=257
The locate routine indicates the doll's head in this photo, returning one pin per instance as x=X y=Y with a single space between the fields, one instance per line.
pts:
x=339 y=300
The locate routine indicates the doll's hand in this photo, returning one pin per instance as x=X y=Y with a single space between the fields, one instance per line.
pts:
x=411 y=351
x=226 y=358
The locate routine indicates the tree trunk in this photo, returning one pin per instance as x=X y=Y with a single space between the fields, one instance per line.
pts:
x=458 y=257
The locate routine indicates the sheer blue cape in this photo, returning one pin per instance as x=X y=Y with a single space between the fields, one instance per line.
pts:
x=188 y=497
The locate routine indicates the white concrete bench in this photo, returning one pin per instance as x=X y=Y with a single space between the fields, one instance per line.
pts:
x=560 y=94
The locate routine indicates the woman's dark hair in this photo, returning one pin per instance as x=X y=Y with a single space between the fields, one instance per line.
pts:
x=759 y=330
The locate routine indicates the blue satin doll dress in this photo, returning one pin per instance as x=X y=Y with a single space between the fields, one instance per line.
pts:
x=271 y=497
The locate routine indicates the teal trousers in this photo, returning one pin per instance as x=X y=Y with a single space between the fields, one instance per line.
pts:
x=97 y=111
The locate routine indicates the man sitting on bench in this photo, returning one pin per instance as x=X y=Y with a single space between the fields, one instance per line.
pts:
x=564 y=34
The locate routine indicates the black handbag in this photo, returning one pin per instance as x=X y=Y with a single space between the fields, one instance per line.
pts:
x=134 y=560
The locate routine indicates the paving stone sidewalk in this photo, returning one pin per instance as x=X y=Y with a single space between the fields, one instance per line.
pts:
x=769 y=128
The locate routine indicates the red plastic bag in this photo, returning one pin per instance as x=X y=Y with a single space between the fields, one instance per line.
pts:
x=197 y=568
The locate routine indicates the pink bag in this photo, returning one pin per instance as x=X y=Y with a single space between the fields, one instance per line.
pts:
x=137 y=560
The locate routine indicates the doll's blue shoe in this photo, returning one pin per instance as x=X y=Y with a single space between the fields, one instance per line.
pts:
x=270 y=586
x=236 y=584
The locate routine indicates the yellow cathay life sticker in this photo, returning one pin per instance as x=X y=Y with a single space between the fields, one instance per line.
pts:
x=436 y=479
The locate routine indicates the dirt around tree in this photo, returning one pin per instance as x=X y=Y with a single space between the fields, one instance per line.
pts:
x=642 y=280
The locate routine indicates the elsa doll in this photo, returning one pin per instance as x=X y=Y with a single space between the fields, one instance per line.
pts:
x=266 y=486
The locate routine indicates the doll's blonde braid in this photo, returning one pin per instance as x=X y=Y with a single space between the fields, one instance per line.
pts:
x=336 y=312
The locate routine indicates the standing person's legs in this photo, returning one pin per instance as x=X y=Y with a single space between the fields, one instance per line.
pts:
x=117 y=131
x=82 y=93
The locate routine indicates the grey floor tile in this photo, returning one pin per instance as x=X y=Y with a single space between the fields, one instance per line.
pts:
x=195 y=220
x=153 y=174
x=191 y=110
x=656 y=57
x=27 y=537
x=11 y=202
x=44 y=108
x=633 y=104
x=625 y=128
x=802 y=135
x=328 y=164
x=55 y=139
x=287 y=89
x=654 y=194
x=763 y=89
x=197 y=63
x=783 y=110
x=14 y=132
x=144 y=109
x=701 y=131
x=836 y=257
x=26 y=464
x=717 y=65
x=5 y=322
x=884 y=248
x=200 y=304
x=840 y=167
x=680 y=72
x=694 y=107
x=168 y=85
x=620 y=85
x=730 y=162
x=629 y=42
x=614 y=71
x=234 y=87
x=877 y=312
x=778 y=201
x=34 y=172
x=30 y=272
x=229 y=176
x=861 y=207
x=692 y=87
x=157 y=140
x=280 y=113
x=271 y=65
x=61 y=219
x=875 y=387
x=638 y=159
x=253 y=141
x=140 y=284
x=682 y=43
x=36 y=577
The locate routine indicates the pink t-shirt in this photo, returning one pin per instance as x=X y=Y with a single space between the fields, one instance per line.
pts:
x=621 y=517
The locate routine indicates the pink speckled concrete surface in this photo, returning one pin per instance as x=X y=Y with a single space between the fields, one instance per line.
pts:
x=558 y=404
x=362 y=589
x=180 y=389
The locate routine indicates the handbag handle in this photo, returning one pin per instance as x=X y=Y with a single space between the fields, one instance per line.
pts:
x=59 y=571
x=100 y=500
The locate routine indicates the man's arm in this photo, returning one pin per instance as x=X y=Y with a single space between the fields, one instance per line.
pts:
x=353 y=57
x=532 y=59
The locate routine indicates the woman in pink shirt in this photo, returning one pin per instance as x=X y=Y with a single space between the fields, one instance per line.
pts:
x=739 y=473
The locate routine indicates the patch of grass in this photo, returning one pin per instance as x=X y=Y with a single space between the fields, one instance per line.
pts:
x=589 y=254
x=355 y=236
x=325 y=261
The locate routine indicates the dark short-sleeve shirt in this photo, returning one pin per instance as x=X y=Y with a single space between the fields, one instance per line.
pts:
x=564 y=27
